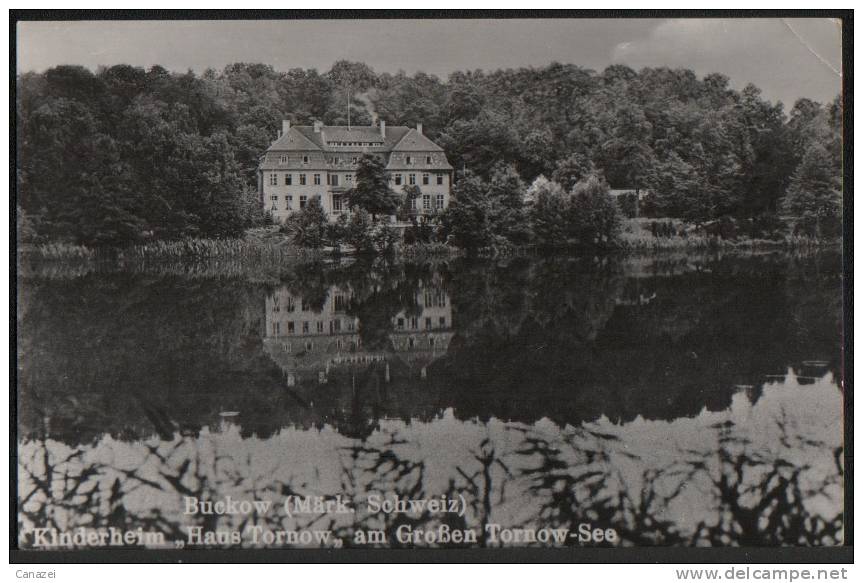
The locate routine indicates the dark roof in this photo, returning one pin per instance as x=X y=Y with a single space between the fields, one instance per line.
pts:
x=305 y=138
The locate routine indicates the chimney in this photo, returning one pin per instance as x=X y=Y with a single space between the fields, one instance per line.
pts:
x=383 y=129
x=286 y=126
x=419 y=128
x=318 y=126
x=374 y=118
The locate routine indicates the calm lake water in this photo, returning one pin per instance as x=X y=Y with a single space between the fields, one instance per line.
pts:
x=675 y=400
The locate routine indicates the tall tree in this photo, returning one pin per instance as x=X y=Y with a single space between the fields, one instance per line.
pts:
x=813 y=200
x=372 y=191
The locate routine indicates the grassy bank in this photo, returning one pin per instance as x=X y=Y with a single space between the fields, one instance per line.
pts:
x=650 y=244
x=269 y=247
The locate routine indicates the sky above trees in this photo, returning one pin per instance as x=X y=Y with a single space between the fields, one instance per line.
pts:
x=786 y=58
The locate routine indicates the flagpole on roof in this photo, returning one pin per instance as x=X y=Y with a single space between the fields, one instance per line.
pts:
x=349 y=108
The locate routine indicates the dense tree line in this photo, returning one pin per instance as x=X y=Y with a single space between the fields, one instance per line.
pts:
x=126 y=154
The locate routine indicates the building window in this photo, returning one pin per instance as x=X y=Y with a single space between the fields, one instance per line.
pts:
x=289 y=202
x=414 y=323
x=349 y=178
x=275 y=328
x=320 y=327
x=412 y=178
x=425 y=178
x=398 y=179
x=354 y=159
x=274 y=198
x=283 y=159
x=440 y=179
x=303 y=200
x=413 y=204
x=288 y=179
x=442 y=322
x=428 y=159
x=303 y=179
x=316 y=179
x=426 y=202
x=428 y=323
x=290 y=327
x=305 y=159
x=337 y=203
x=401 y=324
x=334 y=180
x=274 y=179
x=305 y=327
x=438 y=203
x=408 y=160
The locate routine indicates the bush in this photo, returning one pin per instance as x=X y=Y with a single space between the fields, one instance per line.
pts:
x=307 y=228
x=384 y=237
x=586 y=217
x=595 y=216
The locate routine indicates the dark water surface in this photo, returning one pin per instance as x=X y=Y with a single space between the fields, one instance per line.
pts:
x=675 y=400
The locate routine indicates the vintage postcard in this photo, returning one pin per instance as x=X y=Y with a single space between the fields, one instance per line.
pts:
x=553 y=284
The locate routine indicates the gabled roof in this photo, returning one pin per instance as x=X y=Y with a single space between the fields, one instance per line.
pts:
x=413 y=141
x=293 y=140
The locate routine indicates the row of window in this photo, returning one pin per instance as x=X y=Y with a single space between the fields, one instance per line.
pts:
x=355 y=144
x=303 y=179
x=427 y=202
x=409 y=160
x=306 y=327
x=413 y=323
x=336 y=326
x=412 y=179
x=333 y=179
x=283 y=159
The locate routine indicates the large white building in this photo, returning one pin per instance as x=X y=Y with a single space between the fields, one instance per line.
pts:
x=320 y=161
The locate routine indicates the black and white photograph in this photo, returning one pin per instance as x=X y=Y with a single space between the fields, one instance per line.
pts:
x=451 y=283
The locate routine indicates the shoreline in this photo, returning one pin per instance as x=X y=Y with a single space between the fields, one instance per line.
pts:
x=250 y=250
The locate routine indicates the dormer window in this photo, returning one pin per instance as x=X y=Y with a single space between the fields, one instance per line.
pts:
x=428 y=159
x=408 y=160
x=305 y=159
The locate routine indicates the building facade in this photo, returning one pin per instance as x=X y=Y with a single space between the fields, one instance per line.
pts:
x=319 y=161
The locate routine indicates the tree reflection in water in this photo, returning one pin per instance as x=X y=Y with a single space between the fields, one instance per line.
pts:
x=767 y=473
x=680 y=402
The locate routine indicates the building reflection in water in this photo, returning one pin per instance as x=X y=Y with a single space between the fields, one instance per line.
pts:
x=310 y=345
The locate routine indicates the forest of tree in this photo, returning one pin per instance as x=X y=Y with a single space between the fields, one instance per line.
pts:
x=124 y=154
